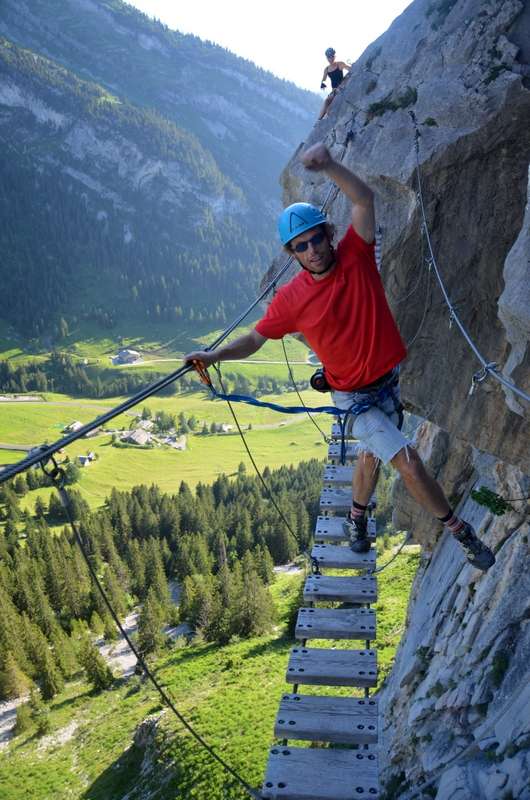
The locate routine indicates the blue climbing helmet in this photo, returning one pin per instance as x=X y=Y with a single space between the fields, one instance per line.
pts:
x=298 y=218
x=330 y=52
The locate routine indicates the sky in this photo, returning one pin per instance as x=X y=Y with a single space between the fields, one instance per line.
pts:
x=286 y=37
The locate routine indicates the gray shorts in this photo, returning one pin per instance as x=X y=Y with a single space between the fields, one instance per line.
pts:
x=378 y=429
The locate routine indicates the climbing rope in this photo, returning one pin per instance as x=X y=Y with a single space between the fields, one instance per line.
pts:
x=249 y=453
x=57 y=476
x=425 y=309
x=488 y=367
x=390 y=560
x=291 y=376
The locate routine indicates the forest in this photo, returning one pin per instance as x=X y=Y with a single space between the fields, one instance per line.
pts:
x=219 y=543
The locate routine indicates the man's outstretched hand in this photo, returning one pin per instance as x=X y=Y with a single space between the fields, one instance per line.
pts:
x=208 y=357
x=317 y=157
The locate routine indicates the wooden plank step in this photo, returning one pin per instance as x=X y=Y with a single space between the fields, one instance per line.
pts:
x=335 y=623
x=337 y=474
x=341 y=557
x=336 y=500
x=335 y=433
x=340 y=590
x=307 y=773
x=317 y=718
x=334 y=451
x=332 y=667
x=330 y=529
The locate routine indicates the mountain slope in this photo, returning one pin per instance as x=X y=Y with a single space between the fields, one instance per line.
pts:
x=250 y=120
x=133 y=195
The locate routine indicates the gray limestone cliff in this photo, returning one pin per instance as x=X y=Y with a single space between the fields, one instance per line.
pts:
x=456 y=707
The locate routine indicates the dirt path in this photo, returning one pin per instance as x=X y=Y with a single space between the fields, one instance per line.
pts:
x=8 y=718
x=289 y=569
x=146 y=363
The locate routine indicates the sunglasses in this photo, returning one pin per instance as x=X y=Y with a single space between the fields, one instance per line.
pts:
x=318 y=238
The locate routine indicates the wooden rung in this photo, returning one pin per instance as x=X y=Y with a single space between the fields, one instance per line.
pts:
x=335 y=432
x=336 y=474
x=332 y=667
x=308 y=773
x=331 y=529
x=317 y=718
x=341 y=590
x=335 y=623
x=342 y=557
x=336 y=500
x=334 y=451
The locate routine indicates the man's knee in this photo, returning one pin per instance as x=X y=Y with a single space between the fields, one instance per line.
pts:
x=408 y=464
x=367 y=462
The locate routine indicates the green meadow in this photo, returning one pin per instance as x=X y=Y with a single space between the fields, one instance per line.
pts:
x=153 y=341
x=274 y=439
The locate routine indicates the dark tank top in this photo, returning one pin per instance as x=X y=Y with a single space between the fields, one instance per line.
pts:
x=335 y=77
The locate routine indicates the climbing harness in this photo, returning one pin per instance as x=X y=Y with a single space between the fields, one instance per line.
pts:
x=366 y=398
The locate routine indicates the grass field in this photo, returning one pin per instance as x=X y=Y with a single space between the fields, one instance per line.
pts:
x=283 y=439
x=36 y=422
x=230 y=694
x=154 y=341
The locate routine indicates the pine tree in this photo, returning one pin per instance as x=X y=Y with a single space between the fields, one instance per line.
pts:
x=65 y=653
x=255 y=607
x=96 y=624
x=136 y=563
x=40 y=507
x=50 y=679
x=97 y=670
x=40 y=713
x=13 y=681
x=24 y=720
x=264 y=564
x=155 y=576
x=20 y=485
x=150 y=637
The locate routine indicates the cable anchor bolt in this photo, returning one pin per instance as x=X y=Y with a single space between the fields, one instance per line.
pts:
x=481 y=375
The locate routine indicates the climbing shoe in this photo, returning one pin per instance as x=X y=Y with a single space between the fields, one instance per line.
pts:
x=357 y=532
x=477 y=553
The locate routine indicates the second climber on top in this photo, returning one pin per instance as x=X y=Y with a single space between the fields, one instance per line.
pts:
x=335 y=72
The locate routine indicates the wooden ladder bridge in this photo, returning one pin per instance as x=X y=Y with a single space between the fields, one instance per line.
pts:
x=348 y=769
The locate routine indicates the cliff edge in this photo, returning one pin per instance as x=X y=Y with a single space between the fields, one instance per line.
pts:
x=456 y=707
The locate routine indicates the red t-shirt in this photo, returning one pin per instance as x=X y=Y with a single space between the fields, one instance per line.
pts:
x=344 y=317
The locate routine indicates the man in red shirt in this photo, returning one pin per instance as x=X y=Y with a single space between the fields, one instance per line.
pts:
x=338 y=303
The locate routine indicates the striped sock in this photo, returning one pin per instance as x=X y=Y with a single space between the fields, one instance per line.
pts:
x=451 y=521
x=357 y=510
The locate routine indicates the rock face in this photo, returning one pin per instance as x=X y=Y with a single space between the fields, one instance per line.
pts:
x=456 y=708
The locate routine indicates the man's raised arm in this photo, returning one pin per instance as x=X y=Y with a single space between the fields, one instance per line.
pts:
x=242 y=347
x=318 y=159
